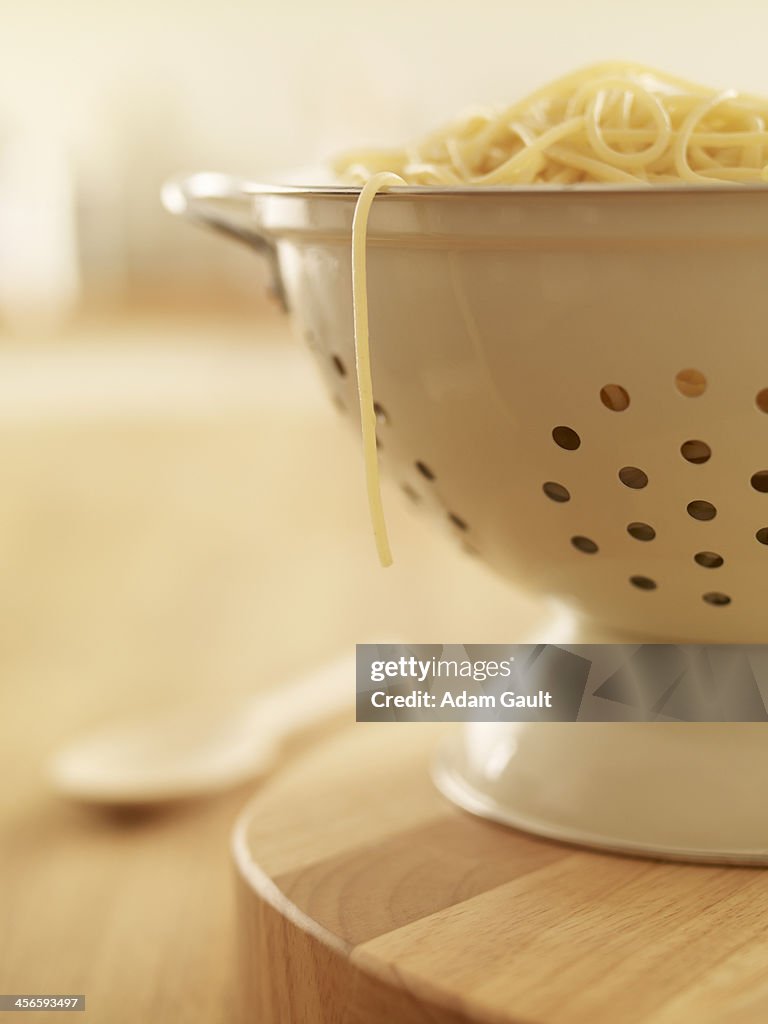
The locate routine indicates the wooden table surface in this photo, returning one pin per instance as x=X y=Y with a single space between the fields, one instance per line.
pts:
x=383 y=903
x=182 y=517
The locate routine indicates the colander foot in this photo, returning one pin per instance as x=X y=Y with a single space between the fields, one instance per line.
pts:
x=682 y=791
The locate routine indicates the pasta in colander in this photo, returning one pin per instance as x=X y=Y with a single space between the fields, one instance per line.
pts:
x=612 y=124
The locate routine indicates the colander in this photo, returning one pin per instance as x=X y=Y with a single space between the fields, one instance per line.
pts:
x=575 y=383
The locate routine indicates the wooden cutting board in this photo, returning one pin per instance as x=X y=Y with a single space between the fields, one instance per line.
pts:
x=365 y=898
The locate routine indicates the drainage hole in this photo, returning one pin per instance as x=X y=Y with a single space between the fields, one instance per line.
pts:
x=702 y=510
x=425 y=471
x=567 y=438
x=709 y=559
x=556 y=491
x=584 y=544
x=633 y=477
x=760 y=481
x=762 y=535
x=696 y=451
x=715 y=597
x=340 y=367
x=615 y=397
x=457 y=521
x=643 y=582
x=691 y=383
x=641 y=531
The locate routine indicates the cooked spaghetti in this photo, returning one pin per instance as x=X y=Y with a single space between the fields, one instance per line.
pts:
x=611 y=124
x=615 y=124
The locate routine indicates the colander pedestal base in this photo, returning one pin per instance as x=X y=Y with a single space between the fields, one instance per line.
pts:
x=686 y=791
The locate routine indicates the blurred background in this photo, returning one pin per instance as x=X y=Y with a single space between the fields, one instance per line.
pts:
x=99 y=102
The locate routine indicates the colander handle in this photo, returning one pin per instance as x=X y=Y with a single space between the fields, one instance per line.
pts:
x=221 y=202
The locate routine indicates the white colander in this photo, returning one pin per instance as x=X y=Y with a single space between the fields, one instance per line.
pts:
x=576 y=383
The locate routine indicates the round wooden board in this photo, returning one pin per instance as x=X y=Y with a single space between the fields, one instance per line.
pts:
x=365 y=898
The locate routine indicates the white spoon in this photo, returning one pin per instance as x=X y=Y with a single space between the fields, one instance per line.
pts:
x=196 y=751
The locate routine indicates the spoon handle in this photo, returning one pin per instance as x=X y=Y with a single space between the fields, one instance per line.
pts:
x=319 y=695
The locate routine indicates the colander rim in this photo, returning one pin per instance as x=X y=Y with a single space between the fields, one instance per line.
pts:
x=464 y=191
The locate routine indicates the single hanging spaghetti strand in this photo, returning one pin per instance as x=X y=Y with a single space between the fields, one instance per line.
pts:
x=363 y=356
